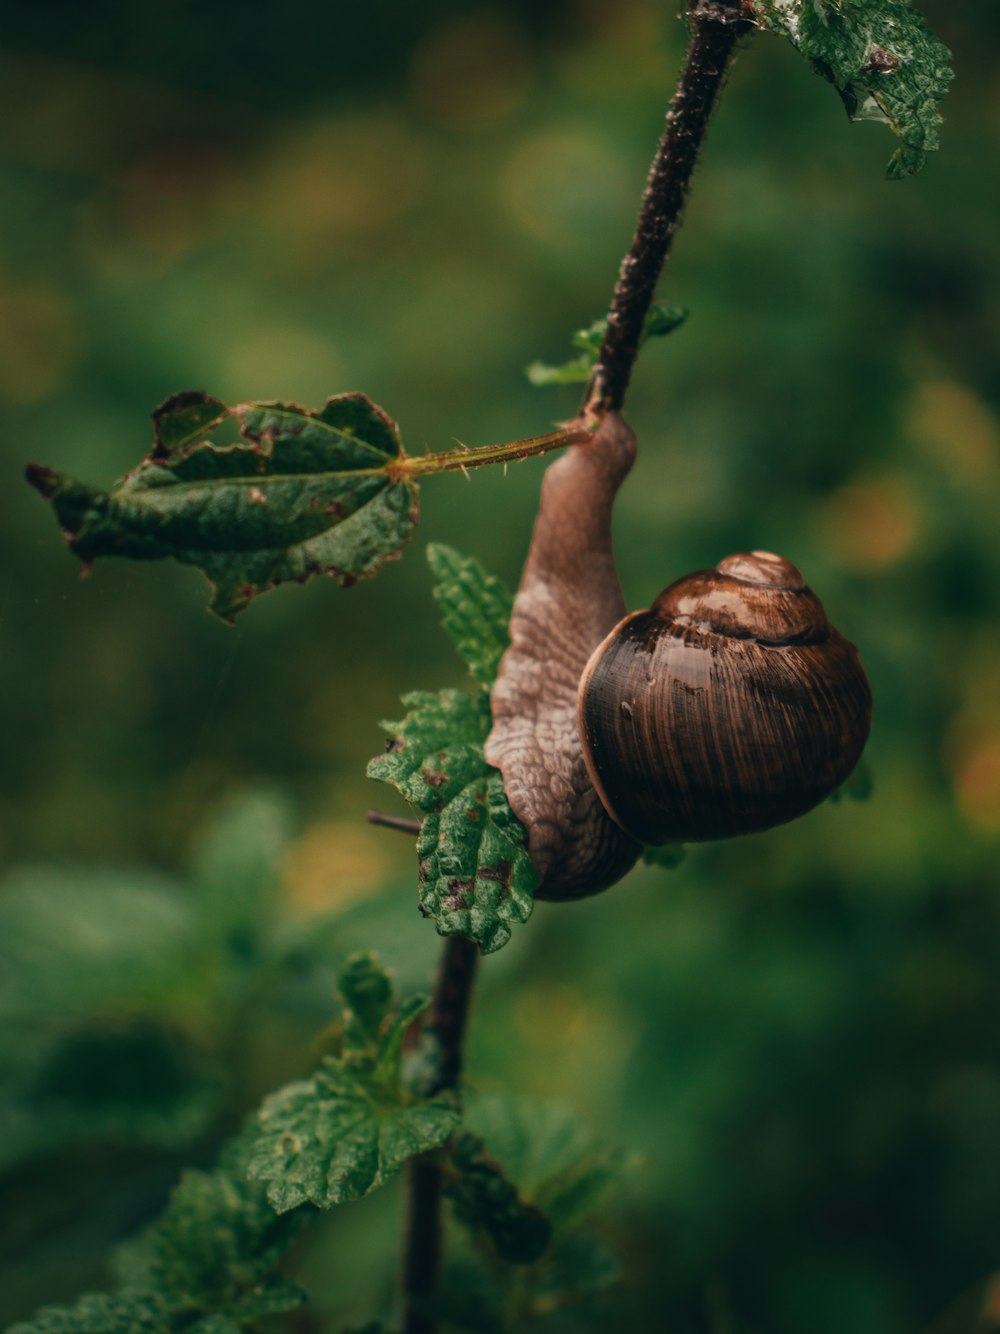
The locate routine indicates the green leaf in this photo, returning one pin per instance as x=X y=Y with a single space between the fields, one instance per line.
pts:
x=666 y=855
x=559 y=1164
x=475 y=876
x=882 y=59
x=348 y=1129
x=306 y=493
x=215 y=1249
x=485 y=1199
x=660 y=320
x=96 y=1313
x=476 y=610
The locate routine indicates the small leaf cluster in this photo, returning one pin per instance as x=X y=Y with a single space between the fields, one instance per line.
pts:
x=881 y=58
x=660 y=321
x=476 y=878
x=348 y=1129
x=300 y=493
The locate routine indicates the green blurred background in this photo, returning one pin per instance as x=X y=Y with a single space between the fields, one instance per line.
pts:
x=799 y=1033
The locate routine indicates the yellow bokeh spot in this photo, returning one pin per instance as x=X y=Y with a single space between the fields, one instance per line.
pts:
x=977 y=782
x=38 y=343
x=956 y=429
x=333 y=864
x=871 y=523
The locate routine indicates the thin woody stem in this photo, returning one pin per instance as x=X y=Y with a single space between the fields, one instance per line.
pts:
x=716 y=27
x=448 y=1015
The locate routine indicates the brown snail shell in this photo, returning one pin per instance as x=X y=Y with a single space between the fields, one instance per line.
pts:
x=731 y=705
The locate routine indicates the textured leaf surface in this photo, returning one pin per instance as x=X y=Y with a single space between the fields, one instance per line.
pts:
x=660 y=321
x=215 y=1248
x=475 y=876
x=882 y=59
x=303 y=493
x=475 y=609
x=206 y=1266
x=349 y=1128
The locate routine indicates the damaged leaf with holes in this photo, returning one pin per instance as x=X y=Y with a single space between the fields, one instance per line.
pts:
x=298 y=493
x=880 y=56
x=348 y=1129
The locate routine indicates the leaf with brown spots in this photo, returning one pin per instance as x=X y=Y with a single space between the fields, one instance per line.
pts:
x=300 y=493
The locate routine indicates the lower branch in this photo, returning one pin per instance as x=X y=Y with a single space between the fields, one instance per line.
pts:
x=716 y=27
x=446 y=1021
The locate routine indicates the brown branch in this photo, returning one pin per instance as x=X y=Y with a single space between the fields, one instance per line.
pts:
x=446 y=1022
x=399 y=822
x=716 y=27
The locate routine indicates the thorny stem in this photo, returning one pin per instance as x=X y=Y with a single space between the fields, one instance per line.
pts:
x=461 y=460
x=716 y=27
x=449 y=1012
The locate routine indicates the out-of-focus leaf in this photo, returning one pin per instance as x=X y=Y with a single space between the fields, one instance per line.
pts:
x=485 y=1199
x=307 y=493
x=858 y=786
x=545 y=1147
x=475 y=876
x=660 y=320
x=215 y=1248
x=881 y=58
x=237 y=864
x=349 y=1128
x=666 y=855
x=128 y=1312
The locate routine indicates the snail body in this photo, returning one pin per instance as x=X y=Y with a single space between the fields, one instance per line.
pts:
x=729 y=706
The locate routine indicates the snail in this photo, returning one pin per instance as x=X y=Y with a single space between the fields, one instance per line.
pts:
x=729 y=706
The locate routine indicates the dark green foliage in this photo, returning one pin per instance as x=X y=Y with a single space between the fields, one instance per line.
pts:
x=475 y=876
x=882 y=59
x=107 y=976
x=206 y=1265
x=307 y=493
x=484 y=1198
x=349 y=1128
x=536 y=1264
x=660 y=321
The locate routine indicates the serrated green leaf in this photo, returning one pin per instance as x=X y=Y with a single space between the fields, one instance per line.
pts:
x=308 y=493
x=660 y=320
x=475 y=876
x=558 y=1163
x=214 y=1250
x=476 y=609
x=367 y=991
x=485 y=1199
x=348 y=1129
x=882 y=59
x=126 y=1312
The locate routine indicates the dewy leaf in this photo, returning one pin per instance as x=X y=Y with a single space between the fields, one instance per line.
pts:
x=882 y=59
x=305 y=493
x=349 y=1128
x=660 y=320
x=475 y=875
